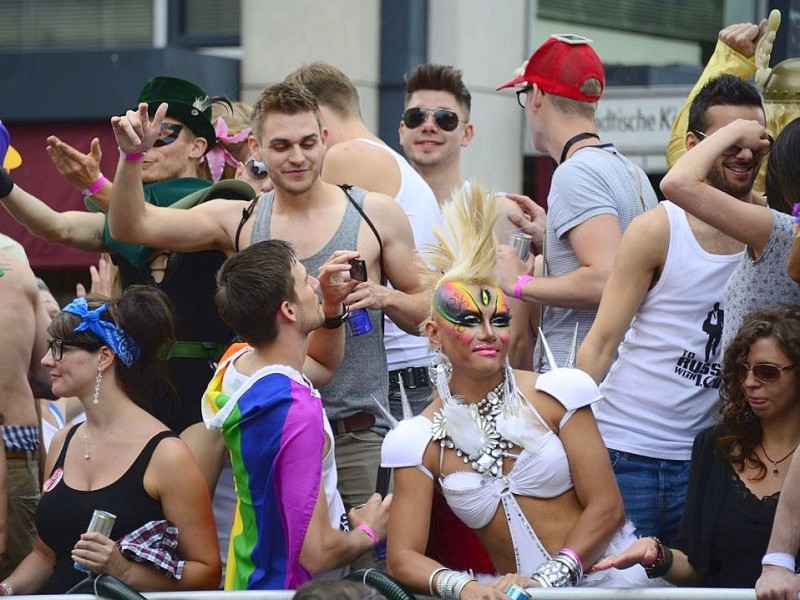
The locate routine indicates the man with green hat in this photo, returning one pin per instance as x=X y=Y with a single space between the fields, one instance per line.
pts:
x=169 y=173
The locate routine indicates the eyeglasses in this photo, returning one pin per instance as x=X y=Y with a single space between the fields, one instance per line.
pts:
x=445 y=119
x=169 y=133
x=764 y=372
x=734 y=150
x=522 y=96
x=256 y=169
x=56 y=347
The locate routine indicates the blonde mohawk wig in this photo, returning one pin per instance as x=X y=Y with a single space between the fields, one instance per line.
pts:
x=467 y=248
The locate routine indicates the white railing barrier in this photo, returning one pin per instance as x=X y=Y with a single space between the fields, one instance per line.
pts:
x=541 y=594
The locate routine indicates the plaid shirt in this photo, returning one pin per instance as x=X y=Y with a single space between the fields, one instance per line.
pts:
x=155 y=543
x=20 y=437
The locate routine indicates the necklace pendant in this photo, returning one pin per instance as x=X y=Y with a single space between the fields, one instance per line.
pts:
x=86 y=456
x=775 y=471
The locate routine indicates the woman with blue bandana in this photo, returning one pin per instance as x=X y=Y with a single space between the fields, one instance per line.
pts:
x=109 y=353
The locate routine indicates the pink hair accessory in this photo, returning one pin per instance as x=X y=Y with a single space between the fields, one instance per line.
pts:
x=219 y=155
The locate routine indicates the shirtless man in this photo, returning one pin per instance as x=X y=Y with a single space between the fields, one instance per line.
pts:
x=22 y=377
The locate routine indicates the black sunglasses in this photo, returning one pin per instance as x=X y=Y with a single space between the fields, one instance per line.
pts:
x=56 y=347
x=764 y=372
x=169 y=133
x=445 y=119
x=734 y=150
x=256 y=169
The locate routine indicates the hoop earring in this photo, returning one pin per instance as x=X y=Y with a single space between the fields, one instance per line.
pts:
x=440 y=365
x=96 y=396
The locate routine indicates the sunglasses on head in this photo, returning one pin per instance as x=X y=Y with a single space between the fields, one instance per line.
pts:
x=256 y=169
x=445 y=119
x=56 y=347
x=764 y=372
x=169 y=133
x=734 y=150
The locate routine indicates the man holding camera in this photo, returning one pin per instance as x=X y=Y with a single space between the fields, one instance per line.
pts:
x=317 y=218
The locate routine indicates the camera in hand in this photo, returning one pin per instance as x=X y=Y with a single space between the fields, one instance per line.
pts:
x=358 y=322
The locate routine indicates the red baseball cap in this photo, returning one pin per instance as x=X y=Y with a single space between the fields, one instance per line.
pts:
x=560 y=66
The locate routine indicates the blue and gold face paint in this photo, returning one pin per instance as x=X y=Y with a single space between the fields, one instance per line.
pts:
x=463 y=308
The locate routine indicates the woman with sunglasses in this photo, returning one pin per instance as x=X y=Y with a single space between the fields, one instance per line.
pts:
x=109 y=353
x=761 y=279
x=738 y=466
x=516 y=455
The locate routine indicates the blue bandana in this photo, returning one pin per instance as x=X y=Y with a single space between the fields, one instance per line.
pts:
x=116 y=339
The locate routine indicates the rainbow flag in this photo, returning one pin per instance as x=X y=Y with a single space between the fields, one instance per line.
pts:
x=273 y=428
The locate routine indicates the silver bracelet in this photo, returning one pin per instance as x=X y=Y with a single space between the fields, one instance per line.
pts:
x=569 y=559
x=430 y=579
x=553 y=573
x=451 y=583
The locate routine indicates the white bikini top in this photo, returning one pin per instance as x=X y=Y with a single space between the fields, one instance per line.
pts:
x=541 y=471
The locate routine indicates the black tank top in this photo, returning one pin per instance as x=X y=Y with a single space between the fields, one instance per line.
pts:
x=64 y=513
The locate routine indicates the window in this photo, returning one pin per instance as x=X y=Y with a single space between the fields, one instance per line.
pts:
x=75 y=24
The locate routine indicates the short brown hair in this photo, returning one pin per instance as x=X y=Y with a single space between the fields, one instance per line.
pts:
x=285 y=98
x=440 y=78
x=332 y=88
x=579 y=108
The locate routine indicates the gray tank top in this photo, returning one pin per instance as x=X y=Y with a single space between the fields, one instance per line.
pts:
x=363 y=372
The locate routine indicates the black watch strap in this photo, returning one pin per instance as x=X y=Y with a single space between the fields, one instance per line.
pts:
x=335 y=322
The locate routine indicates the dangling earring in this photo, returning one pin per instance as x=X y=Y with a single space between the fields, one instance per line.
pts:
x=96 y=397
x=440 y=365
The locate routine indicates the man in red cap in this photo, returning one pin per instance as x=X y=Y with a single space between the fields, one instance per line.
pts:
x=594 y=194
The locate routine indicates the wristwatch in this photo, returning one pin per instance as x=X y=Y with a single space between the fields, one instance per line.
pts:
x=335 y=322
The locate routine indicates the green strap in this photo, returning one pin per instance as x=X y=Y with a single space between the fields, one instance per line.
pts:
x=207 y=350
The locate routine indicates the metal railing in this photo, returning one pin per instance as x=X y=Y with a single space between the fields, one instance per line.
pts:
x=540 y=594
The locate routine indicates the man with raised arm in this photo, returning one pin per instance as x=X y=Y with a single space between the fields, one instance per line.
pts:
x=317 y=218
x=665 y=297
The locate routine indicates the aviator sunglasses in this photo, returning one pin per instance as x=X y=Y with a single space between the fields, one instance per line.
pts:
x=734 y=150
x=169 y=133
x=445 y=119
x=256 y=169
x=764 y=372
x=56 y=347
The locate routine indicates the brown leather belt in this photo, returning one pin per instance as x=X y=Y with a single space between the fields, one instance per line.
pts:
x=21 y=454
x=360 y=421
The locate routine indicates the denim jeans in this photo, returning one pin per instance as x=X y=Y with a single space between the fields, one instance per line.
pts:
x=653 y=491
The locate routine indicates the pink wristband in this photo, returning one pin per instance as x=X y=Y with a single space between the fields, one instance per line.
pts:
x=573 y=555
x=521 y=281
x=132 y=155
x=96 y=186
x=372 y=535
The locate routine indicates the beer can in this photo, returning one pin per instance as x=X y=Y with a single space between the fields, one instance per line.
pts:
x=517 y=593
x=521 y=243
x=102 y=522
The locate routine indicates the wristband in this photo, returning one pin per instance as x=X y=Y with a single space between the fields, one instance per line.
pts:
x=779 y=559
x=7 y=589
x=573 y=555
x=96 y=186
x=372 y=535
x=6 y=183
x=337 y=321
x=132 y=156
x=521 y=281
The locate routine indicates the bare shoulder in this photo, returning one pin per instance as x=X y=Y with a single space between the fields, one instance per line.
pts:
x=382 y=207
x=649 y=232
x=362 y=164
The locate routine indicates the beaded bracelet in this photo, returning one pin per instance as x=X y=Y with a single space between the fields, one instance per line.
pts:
x=796 y=219
x=663 y=561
